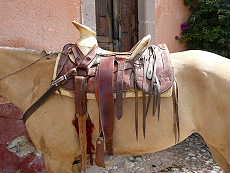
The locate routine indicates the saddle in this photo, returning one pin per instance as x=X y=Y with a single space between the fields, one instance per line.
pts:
x=109 y=77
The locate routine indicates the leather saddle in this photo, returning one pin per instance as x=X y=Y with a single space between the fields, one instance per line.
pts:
x=153 y=62
x=109 y=76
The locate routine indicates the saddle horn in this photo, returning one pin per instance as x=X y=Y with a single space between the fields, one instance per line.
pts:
x=87 y=38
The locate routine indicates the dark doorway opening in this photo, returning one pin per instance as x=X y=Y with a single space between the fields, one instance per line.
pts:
x=117 y=24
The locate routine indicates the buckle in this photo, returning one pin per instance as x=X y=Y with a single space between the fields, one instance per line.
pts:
x=59 y=80
x=65 y=77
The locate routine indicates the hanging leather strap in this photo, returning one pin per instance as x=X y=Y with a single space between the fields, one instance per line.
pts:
x=136 y=114
x=119 y=89
x=81 y=113
x=100 y=152
x=144 y=112
x=105 y=100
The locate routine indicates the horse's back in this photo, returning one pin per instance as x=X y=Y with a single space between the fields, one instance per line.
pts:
x=203 y=61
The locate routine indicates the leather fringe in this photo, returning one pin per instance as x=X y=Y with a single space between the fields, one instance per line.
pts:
x=144 y=112
x=136 y=114
x=156 y=100
x=176 y=120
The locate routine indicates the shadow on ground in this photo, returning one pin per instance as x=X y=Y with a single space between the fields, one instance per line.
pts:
x=190 y=156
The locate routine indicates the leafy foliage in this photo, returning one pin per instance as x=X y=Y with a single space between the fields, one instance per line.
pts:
x=208 y=26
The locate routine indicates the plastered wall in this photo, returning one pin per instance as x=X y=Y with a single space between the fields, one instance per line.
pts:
x=46 y=24
x=38 y=24
x=169 y=14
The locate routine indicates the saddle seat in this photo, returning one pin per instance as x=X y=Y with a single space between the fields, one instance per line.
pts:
x=139 y=47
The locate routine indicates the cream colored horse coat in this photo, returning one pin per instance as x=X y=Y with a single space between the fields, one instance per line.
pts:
x=203 y=81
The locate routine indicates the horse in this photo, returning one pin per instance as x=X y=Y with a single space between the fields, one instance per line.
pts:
x=203 y=101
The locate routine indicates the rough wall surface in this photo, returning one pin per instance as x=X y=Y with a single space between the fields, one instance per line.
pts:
x=168 y=17
x=43 y=24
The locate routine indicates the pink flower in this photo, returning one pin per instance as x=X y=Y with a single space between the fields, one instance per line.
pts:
x=184 y=26
x=177 y=37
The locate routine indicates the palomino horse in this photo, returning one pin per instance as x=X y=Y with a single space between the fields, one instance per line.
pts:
x=203 y=81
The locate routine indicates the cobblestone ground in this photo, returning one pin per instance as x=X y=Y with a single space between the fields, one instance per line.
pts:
x=190 y=156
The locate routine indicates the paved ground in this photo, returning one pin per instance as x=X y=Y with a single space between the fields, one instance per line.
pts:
x=191 y=156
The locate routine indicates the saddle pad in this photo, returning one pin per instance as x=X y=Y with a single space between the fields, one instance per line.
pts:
x=91 y=96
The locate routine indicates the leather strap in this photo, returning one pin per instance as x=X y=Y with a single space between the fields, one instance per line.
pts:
x=89 y=58
x=80 y=95
x=100 y=152
x=119 y=89
x=54 y=86
x=79 y=56
x=26 y=115
x=136 y=113
x=105 y=100
x=81 y=110
x=176 y=120
x=63 y=59
x=144 y=111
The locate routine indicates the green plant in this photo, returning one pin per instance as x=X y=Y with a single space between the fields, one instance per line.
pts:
x=207 y=28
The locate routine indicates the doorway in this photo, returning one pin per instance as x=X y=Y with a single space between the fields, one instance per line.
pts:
x=117 y=24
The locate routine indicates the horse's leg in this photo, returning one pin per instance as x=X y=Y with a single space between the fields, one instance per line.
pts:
x=219 y=159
